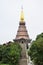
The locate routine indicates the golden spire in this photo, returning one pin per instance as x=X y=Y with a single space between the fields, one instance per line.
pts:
x=22 y=15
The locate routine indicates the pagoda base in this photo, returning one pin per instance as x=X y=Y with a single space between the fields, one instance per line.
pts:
x=23 y=62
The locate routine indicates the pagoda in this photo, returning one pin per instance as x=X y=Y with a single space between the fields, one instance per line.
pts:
x=22 y=34
x=23 y=39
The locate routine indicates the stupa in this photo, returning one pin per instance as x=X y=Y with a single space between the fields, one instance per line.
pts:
x=23 y=39
x=22 y=34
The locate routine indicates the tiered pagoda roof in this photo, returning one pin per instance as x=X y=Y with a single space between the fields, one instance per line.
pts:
x=22 y=31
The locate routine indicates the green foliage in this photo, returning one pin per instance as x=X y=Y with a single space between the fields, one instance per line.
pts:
x=4 y=64
x=36 y=50
x=10 y=53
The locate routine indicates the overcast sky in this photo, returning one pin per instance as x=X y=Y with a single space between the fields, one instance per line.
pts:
x=10 y=17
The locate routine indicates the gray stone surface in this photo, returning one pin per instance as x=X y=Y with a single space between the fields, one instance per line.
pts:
x=23 y=59
x=23 y=62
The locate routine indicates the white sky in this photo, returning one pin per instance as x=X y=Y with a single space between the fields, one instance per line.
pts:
x=10 y=17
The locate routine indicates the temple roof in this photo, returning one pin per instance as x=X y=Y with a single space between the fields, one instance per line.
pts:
x=22 y=31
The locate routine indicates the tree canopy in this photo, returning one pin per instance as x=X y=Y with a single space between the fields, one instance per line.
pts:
x=10 y=53
x=36 y=50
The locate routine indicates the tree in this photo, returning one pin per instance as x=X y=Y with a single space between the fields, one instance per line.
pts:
x=10 y=53
x=36 y=50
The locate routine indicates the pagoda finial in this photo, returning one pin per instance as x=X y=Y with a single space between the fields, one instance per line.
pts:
x=22 y=15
